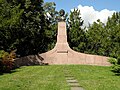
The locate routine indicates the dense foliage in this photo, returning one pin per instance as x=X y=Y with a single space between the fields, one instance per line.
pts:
x=25 y=26
x=98 y=38
x=76 y=35
x=104 y=39
x=9 y=20
x=51 y=18
x=115 y=66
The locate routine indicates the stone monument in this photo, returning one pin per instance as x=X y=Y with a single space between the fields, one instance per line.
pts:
x=63 y=54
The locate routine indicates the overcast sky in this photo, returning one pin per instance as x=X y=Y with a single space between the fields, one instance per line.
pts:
x=90 y=10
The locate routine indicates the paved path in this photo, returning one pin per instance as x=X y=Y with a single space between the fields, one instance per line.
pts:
x=72 y=82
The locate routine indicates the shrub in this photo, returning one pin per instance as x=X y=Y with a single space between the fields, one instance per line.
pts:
x=6 y=61
x=1 y=65
x=116 y=65
x=113 y=61
x=118 y=60
x=116 y=69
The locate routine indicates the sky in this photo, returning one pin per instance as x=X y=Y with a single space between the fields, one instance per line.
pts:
x=91 y=10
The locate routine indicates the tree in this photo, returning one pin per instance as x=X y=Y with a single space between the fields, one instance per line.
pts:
x=113 y=29
x=51 y=31
x=28 y=35
x=32 y=27
x=97 y=39
x=76 y=34
x=9 y=18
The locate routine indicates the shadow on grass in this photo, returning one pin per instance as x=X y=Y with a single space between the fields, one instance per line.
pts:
x=1 y=73
x=15 y=69
x=117 y=74
x=40 y=65
x=12 y=71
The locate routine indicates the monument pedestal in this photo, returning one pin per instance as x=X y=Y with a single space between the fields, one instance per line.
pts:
x=63 y=54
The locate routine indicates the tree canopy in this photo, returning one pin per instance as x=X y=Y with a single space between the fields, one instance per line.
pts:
x=25 y=26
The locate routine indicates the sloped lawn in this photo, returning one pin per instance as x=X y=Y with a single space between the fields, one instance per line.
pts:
x=95 y=77
x=53 y=78
x=34 y=78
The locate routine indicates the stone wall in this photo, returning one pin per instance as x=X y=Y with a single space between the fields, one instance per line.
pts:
x=28 y=61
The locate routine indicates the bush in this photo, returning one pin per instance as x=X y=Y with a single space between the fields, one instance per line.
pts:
x=1 y=65
x=116 y=65
x=113 y=61
x=116 y=69
x=6 y=61
x=118 y=60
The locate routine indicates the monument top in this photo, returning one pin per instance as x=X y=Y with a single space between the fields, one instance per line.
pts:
x=62 y=12
x=62 y=15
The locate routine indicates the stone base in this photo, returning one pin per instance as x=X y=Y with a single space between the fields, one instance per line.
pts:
x=72 y=57
x=28 y=61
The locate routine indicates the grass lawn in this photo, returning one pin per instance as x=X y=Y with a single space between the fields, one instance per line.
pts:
x=95 y=77
x=53 y=78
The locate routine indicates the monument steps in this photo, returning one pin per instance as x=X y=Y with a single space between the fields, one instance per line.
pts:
x=72 y=82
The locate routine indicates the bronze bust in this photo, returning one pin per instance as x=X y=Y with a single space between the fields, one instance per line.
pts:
x=62 y=13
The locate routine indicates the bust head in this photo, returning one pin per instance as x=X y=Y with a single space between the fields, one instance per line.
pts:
x=62 y=15
x=61 y=12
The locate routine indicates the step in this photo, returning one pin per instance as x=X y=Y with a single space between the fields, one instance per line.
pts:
x=72 y=81
x=77 y=88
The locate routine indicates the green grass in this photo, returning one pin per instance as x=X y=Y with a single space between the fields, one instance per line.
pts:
x=52 y=78
x=35 y=78
x=95 y=77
